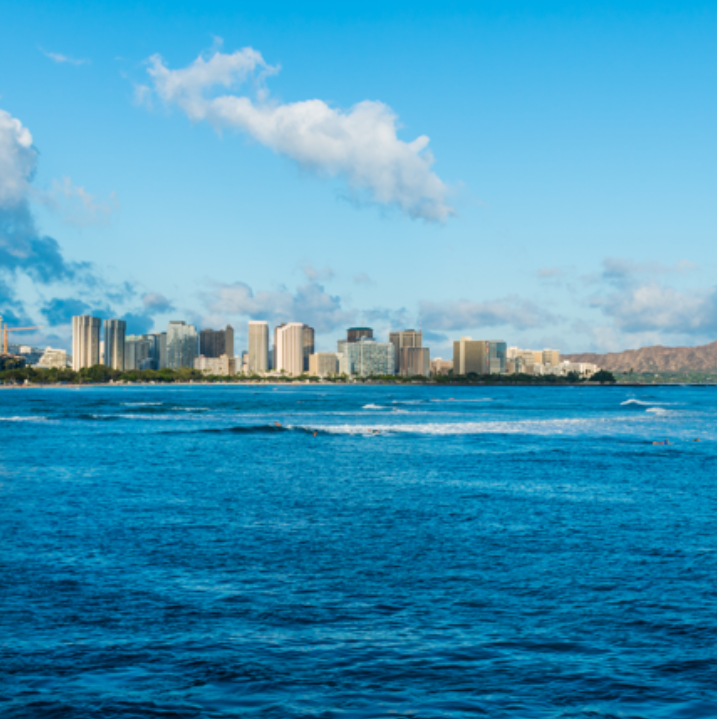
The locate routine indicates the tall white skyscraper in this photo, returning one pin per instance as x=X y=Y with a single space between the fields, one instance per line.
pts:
x=114 y=343
x=85 y=342
x=290 y=348
x=258 y=346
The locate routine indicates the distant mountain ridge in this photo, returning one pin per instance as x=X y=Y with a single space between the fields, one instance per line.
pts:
x=654 y=359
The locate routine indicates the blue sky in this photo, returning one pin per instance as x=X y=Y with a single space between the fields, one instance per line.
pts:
x=569 y=201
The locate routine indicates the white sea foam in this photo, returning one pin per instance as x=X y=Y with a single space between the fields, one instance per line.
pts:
x=460 y=399
x=373 y=406
x=542 y=427
x=644 y=404
x=24 y=419
x=141 y=404
x=659 y=410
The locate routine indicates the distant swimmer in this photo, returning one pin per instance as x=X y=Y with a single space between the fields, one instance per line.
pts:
x=666 y=441
x=278 y=424
x=315 y=433
x=697 y=440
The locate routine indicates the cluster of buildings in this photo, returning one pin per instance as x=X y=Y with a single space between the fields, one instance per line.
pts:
x=289 y=351
x=495 y=357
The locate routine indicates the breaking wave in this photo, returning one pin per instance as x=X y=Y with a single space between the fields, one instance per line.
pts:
x=24 y=419
x=642 y=403
x=141 y=404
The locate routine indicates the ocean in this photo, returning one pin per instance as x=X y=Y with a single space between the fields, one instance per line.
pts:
x=358 y=552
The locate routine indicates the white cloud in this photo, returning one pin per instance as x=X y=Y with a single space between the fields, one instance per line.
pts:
x=654 y=307
x=310 y=303
x=360 y=145
x=18 y=159
x=465 y=314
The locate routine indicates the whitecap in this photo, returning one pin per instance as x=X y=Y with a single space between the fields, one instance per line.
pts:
x=24 y=419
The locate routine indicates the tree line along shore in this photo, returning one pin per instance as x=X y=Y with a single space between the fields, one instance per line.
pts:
x=101 y=374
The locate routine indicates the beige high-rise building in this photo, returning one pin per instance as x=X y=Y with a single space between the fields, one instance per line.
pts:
x=415 y=361
x=551 y=357
x=479 y=356
x=405 y=338
x=258 y=360
x=324 y=364
x=85 y=342
x=468 y=356
x=289 y=348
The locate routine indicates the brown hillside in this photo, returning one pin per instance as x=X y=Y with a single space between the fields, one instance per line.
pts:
x=654 y=359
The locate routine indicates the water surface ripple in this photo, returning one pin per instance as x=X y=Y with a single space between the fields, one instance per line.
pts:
x=384 y=552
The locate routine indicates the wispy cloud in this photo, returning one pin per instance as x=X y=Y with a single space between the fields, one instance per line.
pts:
x=61 y=59
x=511 y=311
x=79 y=207
x=359 y=145
x=314 y=274
x=363 y=279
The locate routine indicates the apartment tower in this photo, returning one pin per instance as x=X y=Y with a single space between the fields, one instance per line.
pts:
x=258 y=360
x=215 y=343
x=405 y=338
x=85 y=342
x=115 y=331
x=289 y=348
x=308 y=345
x=182 y=345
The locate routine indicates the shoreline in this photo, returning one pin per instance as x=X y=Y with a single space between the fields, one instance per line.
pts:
x=446 y=385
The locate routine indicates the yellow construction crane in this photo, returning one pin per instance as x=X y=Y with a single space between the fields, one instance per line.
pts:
x=5 y=329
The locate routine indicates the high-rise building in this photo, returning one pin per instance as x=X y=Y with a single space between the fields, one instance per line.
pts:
x=182 y=345
x=405 y=338
x=114 y=343
x=258 y=347
x=415 y=361
x=354 y=334
x=215 y=343
x=368 y=358
x=85 y=342
x=289 y=348
x=138 y=352
x=324 y=364
x=551 y=357
x=308 y=345
x=479 y=356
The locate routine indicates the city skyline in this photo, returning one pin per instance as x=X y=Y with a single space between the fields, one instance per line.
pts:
x=293 y=353
x=539 y=193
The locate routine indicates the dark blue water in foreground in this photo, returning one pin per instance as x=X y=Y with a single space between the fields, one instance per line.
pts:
x=492 y=552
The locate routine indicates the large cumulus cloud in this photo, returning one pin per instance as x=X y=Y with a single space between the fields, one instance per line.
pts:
x=359 y=145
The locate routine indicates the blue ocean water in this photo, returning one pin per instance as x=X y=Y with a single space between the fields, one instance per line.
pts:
x=497 y=552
